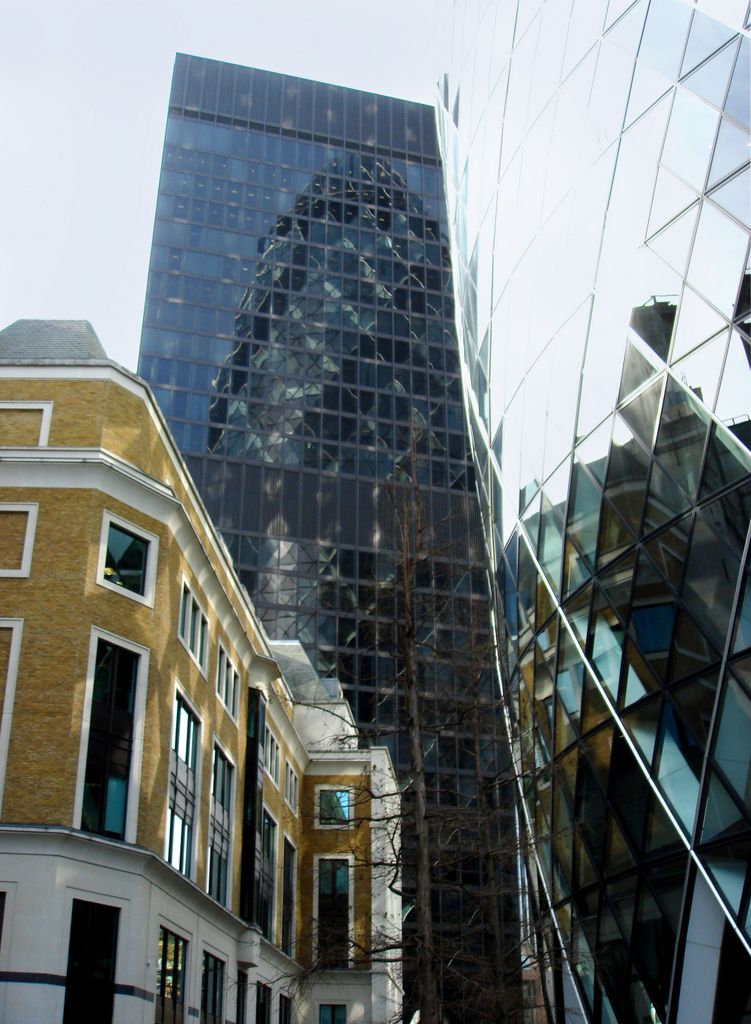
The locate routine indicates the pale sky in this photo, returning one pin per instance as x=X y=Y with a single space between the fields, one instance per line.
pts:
x=83 y=101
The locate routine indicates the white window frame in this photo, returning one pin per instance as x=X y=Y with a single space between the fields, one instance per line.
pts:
x=271 y=753
x=330 y=788
x=203 y=621
x=225 y=666
x=350 y=858
x=181 y=693
x=46 y=410
x=15 y=626
x=291 y=786
x=149 y=583
x=216 y=744
x=139 y=714
x=31 y=509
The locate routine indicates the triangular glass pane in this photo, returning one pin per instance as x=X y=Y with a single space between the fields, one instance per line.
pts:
x=692 y=652
x=640 y=679
x=742 y=639
x=668 y=551
x=641 y=416
x=664 y=501
x=576 y=571
x=709 y=587
x=689 y=138
x=627 y=478
x=664 y=36
x=728 y=866
x=674 y=242
x=584 y=512
x=616 y=584
x=706 y=36
x=647 y=87
x=697 y=321
x=593 y=451
x=739 y=95
x=711 y=80
x=671 y=196
x=730 y=152
x=727 y=461
x=722 y=817
x=718 y=258
x=695 y=702
x=681 y=436
x=627 y=32
x=595 y=710
x=735 y=196
x=642 y=725
x=700 y=371
x=652 y=615
x=733 y=400
x=636 y=370
x=614 y=537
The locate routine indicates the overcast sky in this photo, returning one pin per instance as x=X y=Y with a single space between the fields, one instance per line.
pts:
x=83 y=101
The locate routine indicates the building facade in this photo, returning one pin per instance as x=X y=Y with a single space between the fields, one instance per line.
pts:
x=598 y=185
x=183 y=805
x=299 y=335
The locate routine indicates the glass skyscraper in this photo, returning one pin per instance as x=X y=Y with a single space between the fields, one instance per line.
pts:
x=299 y=335
x=598 y=183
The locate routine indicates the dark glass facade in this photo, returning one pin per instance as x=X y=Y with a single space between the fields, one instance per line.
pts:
x=299 y=336
x=608 y=355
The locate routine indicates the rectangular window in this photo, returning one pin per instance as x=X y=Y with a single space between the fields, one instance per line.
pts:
x=17 y=529
x=333 y=912
x=193 y=629
x=182 y=788
x=334 y=807
x=267 y=876
x=108 y=761
x=127 y=559
x=171 y=965
x=271 y=754
x=288 y=898
x=227 y=681
x=241 y=1015
x=263 y=1004
x=92 y=951
x=212 y=990
x=332 y=1013
x=220 y=826
x=285 y=1009
x=290 y=785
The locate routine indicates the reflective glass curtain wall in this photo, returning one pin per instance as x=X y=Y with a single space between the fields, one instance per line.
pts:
x=299 y=335
x=598 y=185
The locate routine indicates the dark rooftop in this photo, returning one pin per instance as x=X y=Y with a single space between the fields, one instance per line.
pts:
x=50 y=340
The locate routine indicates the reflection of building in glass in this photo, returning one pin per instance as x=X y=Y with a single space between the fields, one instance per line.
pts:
x=598 y=171
x=299 y=334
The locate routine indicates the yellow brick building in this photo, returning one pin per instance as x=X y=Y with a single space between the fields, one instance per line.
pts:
x=187 y=826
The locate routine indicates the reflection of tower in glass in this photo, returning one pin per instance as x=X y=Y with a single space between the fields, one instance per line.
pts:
x=272 y=389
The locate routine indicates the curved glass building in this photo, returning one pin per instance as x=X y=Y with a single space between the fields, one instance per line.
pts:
x=597 y=166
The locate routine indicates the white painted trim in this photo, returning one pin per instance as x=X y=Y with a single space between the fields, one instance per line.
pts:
x=233 y=714
x=329 y=788
x=350 y=858
x=31 y=509
x=6 y=719
x=195 y=846
x=147 y=598
x=139 y=711
x=46 y=410
x=216 y=742
x=203 y=668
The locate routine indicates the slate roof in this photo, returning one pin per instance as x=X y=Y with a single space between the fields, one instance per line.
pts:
x=53 y=340
x=304 y=682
